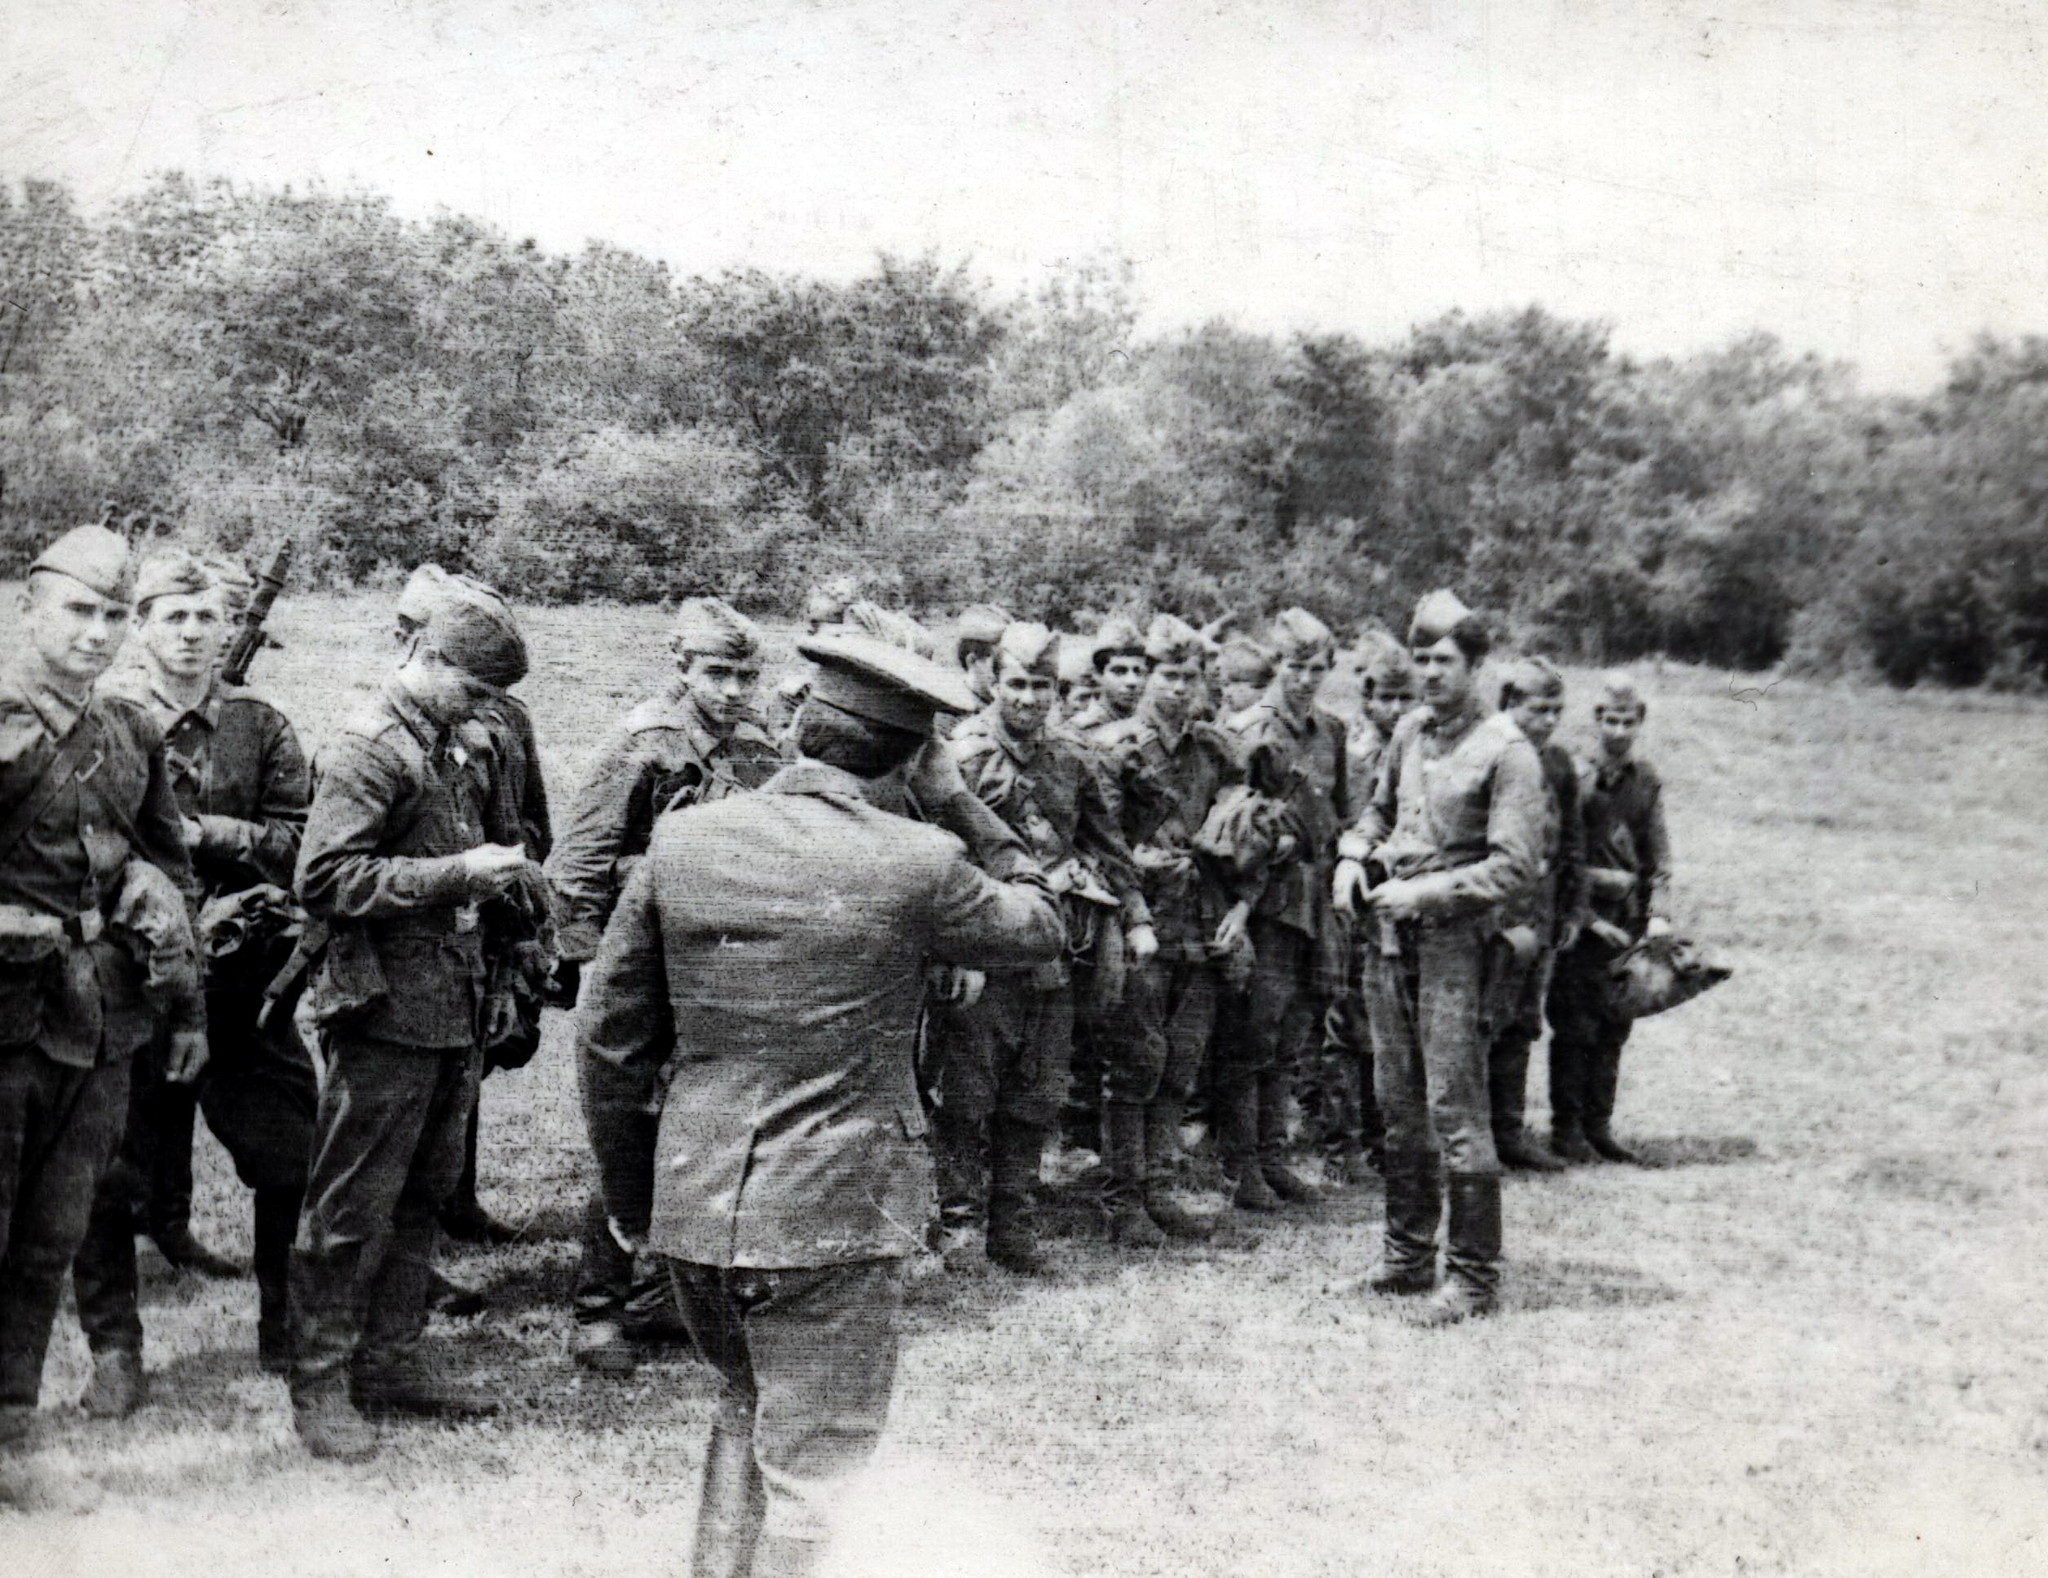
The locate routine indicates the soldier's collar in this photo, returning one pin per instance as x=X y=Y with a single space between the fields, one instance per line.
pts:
x=171 y=712
x=409 y=712
x=1170 y=734
x=59 y=709
x=1022 y=751
x=804 y=776
x=1453 y=725
x=690 y=719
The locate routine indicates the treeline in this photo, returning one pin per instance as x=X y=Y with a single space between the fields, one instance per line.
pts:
x=247 y=364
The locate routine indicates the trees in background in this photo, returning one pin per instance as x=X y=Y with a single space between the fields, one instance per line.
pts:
x=253 y=363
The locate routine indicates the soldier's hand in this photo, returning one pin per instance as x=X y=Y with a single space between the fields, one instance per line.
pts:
x=933 y=777
x=1609 y=933
x=1141 y=943
x=1658 y=927
x=564 y=982
x=1348 y=886
x=492 y=868
x=185 y=1057
x=1231 y=929
x=1396 y=899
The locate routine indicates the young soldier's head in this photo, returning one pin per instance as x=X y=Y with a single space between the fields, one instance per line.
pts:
x=1304 y=650
x=718 y=656
x=1448 y=643
x=974 y=646
x=1121 y=667
x=182 y=618
x=465 y=652
x=1027 y=678
x=74 y=609
x=422 y=588
x=1076 y=671
x=1619 y=712
x=1243 y=671
x=1532 y=693
x=1175 y=651
x=1387 y=687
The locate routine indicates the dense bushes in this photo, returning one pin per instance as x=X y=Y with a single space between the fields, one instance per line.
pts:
x=255 y=363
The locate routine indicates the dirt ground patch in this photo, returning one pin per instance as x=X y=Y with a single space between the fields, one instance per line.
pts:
x=1809 y=1344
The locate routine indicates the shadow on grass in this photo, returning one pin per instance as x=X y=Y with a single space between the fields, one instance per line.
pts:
x=1696 y=1150
x=1580 y=1285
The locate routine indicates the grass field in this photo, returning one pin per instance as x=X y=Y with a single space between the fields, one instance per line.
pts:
x=1809 y=1344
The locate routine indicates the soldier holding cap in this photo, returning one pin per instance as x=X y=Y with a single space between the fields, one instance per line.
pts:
x=1453 y=831
x=694 y=743
x=773 y=946
x=85 y=791
x=397 y=865
x=1628 y=874
x=1295 y=751
x=242 y=785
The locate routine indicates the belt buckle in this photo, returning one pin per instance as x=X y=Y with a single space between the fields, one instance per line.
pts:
x=467 y=916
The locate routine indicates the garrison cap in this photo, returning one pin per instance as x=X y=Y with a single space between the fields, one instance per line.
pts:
x=1074 y=663
x=173 y=572
x=423 y=588
x=1384 y=661
x=1618 y=690
x=1531 y=676
x=882 y=682
x=983 y=623
x=1439 y=614
x=1297 y=632
x=1031 y=647
x=1172 y=639
x=1118 y=636
x=93 y=557
x=473 y=628
x=1244 y=662
x=1221 y=628
x=234 y=578
x=886 y=624
x=711 y=627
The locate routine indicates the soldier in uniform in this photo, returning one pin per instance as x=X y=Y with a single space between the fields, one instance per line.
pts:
x=1002 y=1065
x=1244 y=671
x=1295 y=751
x=90 y=839
x=980 y=627
x=242 y=785
x=696 y=742
x=769 y=952
x=1628 y=874
x=397 y=865
x=1453 y=831
x=1200 y=917
x=1117 y=657
x=1547 y=918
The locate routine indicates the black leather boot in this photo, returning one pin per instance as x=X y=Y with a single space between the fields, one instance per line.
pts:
x=277 y=1220
x=730 y=1501
x=1237 y=1138
x=1123 y=1196
x=1603 y=1082
x=1162 y=1166
x=1280 y=1178
x=1472 y=1259
x=1013 y=1197
x=1407 y=1263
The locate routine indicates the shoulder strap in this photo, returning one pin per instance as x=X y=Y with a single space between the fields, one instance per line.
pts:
x=62 y=769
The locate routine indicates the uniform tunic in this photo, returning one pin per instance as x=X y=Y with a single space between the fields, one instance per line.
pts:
x=70 y=1018
x=1458 y=809
x=774 y=945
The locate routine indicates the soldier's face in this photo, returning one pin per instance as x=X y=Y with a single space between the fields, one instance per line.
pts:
x=1445 y=674
x=1537 y=717
x=1619 y=727
x=73 y=629
x=1174 y=689
x=1024 y=699
x=1301 y=679
x=1123 y=682
x=186 y=634
x=1235 y=695
x=723 y=687
x=1391 y=701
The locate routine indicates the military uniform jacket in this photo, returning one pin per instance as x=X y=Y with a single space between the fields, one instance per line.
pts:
x=1307 y=761
x=83 y=1001
x=500 y=743
x=663 y=758
x=237 y=770
x=1188 y=767
x=1624 y=812
x=773 y=946
x=1559 y=892
x=1460 y=807
x=395 y=804
x=1052 y=792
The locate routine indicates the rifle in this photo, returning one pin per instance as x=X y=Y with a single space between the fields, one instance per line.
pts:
x=234 y=668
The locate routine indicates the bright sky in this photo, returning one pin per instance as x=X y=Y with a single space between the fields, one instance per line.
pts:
x=1863 y=179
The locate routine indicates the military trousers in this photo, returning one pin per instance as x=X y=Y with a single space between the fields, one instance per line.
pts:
x=1284 y=1015
x=1427 y=1012
x=387 y=1153
x=807 y=1358
x=59 y=1129
x=259 y=1095
x=1520 y=996
x=1172 y=1013
x=1010 y=1055
x=622 y=1122
x=1586 y=1037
